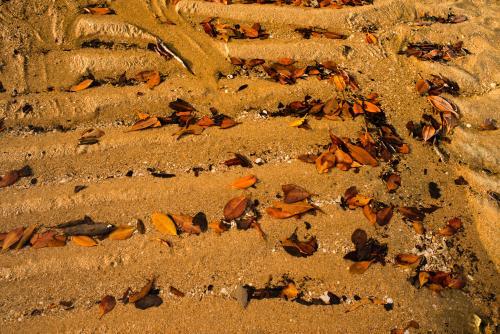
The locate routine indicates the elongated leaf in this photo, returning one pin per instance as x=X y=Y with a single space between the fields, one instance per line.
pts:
x=84 y=241
x=12 y=237
x=82 y=85
x=244 y=182
x=122 y=233
x=141 y=293
x=27 y=233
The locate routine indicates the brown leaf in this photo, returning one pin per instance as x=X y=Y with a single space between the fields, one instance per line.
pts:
x=294 y=193
x=141 y=293
x=359 y=267
x=325 y=162
x=176 y=292
x=47 y=239
x=423 y=86
x=12 y=237
x=145 y=124
x=298 y=248
x=361 y=155
x=384 y=216
x=428 y=132
x=84 y=241
x=82 y=85
x=441 y=104
x=27 y=234
x=358 y=200
x=393 y=182
x=181 y=105
x=121 y=233
x=488 y=124
x=9 y=179
x=235 y=207
x=407 y=259
x=244 y=182
x=106 y=305
x=282 y=210
x=186 y=224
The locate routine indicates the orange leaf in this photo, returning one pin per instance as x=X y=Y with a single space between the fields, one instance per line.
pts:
x=359 y=267
x=26 y=236
x=339 y=82
x=82 y=85
x=370 y=107
x=428 y=132
x=122 y=233
x=218 y=227
x=370 y=38
x=84 y=241
x=145 y=124
x=99 y=10
x=393 y=182
x=369 y=214
x=407 y=259
x=12 y=237
x=325 y=162
x=244 y=182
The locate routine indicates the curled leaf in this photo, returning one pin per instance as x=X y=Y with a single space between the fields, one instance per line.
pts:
x=82 y=85
x=106 y=305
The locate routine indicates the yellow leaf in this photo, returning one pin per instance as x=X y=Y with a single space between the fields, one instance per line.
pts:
x=84 y=241
x=122 y=233
x=298 y=122
x=163 y=223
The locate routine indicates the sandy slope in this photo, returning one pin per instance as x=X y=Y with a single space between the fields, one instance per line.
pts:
x=41 y=55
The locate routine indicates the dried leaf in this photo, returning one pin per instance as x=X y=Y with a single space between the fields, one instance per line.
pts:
x=325 y=162
x=428 y=132
x=359 y=267
x=12 y=237
x=153 y=80
x=393 y=182
x=235 y=207
x=90 y=230
x=219 y=227
x=134 y=297
x=27 y=234
x=181 y=105
x=82 y=85
x=122 y=233
x=370 y=38
x=407 y=259
x=176 y=292
x=186 y=224
x=145 y=124
x=294 y=193
x=244 y=182
x=422 y=86
x=106 y=305
x=369 y=214
x=84 y=241
x=163 y=223
x=228 y=123
x=9 y=179
x=361 y=155
x=282 y=210
x=384 y=216
x=298 y=248
x=370 y=107
x=441 y=104
x=339 y=82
